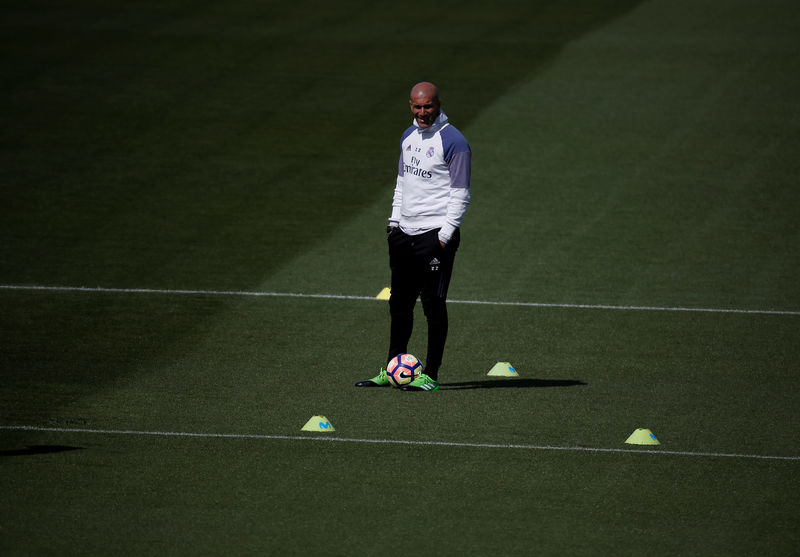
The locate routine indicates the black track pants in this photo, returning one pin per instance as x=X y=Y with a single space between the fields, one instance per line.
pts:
x=420 y=268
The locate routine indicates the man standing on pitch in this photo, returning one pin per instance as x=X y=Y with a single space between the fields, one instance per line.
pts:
x=430 y=198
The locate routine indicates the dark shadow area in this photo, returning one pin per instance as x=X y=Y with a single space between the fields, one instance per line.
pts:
x=38 y=449
x=178 y=152
x=179 y=146
x=513 y=384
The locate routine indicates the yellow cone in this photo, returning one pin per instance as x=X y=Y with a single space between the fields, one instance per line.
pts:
x=318 y=423
x=384 y=294
x=642 y=437
x=503 y=369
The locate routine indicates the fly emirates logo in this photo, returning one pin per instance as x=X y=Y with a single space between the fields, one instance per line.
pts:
x=414 y=168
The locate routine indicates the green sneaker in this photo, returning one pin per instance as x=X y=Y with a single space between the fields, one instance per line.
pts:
x=421 y=383
x=377 y=381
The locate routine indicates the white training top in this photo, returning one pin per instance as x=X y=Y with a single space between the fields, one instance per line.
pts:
x=433 y=175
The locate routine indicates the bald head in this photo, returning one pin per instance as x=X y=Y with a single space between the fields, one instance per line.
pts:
x=425 y=104
x=425 y=89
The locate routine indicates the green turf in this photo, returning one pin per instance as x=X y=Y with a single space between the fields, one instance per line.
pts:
x=245 y=497
x=211 y=140
x=625 y=153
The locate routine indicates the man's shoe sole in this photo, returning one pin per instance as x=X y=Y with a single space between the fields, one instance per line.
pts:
x=425 y=388
x=369 y=383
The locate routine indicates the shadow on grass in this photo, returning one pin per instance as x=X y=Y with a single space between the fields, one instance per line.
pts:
x=512 y=384
x=38 y=449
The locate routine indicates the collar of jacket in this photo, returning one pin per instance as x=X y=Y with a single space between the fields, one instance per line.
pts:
x=438 y=124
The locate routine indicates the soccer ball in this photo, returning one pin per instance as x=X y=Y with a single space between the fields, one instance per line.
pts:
x=402 y=369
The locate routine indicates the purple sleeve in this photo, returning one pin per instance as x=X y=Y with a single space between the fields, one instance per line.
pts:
x=460 y=168
x=400 y=165
x=458 y=156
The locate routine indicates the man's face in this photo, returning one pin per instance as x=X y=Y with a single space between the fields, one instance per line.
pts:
x=425 y=109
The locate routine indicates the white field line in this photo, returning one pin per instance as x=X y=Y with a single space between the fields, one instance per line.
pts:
x=182 y=292
x=323 y=437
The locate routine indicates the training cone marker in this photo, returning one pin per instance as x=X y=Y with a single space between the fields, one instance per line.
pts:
x=642 y=437
x=318 y=423
x=503 y=369
x=384 y=294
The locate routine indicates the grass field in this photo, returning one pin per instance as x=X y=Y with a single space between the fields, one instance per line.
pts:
x=192 y=205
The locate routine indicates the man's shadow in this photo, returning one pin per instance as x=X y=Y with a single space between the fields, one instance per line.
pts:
x=512 y=383
x=38 y=449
